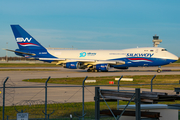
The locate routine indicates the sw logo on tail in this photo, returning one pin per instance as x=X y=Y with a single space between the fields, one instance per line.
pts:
x=93 y=60
x=23 y=40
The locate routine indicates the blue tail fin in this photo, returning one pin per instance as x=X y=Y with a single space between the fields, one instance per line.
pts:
x=24 y=40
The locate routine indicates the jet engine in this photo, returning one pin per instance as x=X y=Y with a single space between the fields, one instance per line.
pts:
x=102 y=67
x=71 y=65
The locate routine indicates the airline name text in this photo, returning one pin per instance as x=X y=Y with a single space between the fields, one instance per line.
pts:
x=20 y=39
x=140 y=54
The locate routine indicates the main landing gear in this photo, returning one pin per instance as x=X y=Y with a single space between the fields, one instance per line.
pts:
x=159 y=69
x=94 y=70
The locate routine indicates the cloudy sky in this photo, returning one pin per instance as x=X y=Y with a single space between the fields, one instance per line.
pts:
x=92 y=24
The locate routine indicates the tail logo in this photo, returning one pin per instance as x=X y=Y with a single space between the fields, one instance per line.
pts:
x=26 y=42
x=23 y=40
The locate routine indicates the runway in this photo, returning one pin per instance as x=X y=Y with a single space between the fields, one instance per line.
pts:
x=65 y=94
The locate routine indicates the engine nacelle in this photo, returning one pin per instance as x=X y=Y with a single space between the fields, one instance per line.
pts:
x=71 y=65
x=102 y=67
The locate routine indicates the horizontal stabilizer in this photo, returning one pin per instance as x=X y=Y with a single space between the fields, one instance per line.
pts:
x=21 y=52
x=54 y=59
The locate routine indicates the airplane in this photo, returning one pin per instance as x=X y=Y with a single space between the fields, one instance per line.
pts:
x=92 y=60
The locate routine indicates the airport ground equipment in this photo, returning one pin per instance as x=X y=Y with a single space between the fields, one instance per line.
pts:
x=143 y=100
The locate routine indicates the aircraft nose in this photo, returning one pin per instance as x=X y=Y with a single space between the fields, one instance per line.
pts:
x=174 y=57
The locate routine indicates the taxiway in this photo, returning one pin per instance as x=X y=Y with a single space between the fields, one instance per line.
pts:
x=64 y=94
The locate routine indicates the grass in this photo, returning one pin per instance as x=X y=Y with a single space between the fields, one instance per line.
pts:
x=28 y=69
x=63 y=110
x=28 y=65
x=138 y=80
x=178 y=61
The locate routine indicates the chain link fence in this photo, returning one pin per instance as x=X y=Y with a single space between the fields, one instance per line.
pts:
x=63 y=102
x=59 y=102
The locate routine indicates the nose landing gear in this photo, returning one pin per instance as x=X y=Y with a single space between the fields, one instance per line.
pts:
x=159 y=69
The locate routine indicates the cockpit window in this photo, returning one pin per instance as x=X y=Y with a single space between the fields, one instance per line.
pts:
x=164 y=49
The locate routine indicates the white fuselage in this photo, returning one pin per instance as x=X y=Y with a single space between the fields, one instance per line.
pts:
x=146 y=52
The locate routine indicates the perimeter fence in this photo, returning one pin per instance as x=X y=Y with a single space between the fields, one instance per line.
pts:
x=51 y=101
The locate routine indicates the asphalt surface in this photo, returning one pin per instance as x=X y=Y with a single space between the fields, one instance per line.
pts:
x=65 y=93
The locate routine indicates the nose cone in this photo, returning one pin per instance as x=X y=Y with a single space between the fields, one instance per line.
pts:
x=174 y=58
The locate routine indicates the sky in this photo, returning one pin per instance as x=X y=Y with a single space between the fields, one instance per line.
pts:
x=92 y=24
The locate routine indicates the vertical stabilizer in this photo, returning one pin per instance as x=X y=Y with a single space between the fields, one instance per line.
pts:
x=24 y=40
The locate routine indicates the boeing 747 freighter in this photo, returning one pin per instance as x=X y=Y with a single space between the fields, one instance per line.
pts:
x=92 y=60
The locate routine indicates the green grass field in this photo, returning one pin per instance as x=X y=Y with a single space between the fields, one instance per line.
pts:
x=138 y=81
x=28 y=69
x=178 y=61
x=63 y=110
x=27 y=65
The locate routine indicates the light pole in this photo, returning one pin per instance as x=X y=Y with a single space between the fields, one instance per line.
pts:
x=6 y=52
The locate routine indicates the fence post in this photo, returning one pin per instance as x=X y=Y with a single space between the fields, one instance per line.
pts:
x=97 y=105
x=83 y=97
x=4 y=96
x=152 y=82
x=118 y=88
x=138 y=104
x=46 y=97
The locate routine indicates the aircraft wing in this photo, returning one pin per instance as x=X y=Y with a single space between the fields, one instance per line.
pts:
x=85 y=61
x=94 y=62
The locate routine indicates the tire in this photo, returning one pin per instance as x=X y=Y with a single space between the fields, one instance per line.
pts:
x=159 y=70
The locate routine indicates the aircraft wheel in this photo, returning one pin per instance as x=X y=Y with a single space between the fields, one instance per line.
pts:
x=96 y=70
x=159 y=70
x=88 y=70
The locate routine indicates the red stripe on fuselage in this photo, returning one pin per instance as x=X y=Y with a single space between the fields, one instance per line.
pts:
x=138 y=59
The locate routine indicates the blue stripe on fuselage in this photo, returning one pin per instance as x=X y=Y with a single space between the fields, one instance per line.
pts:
x=155 y=62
